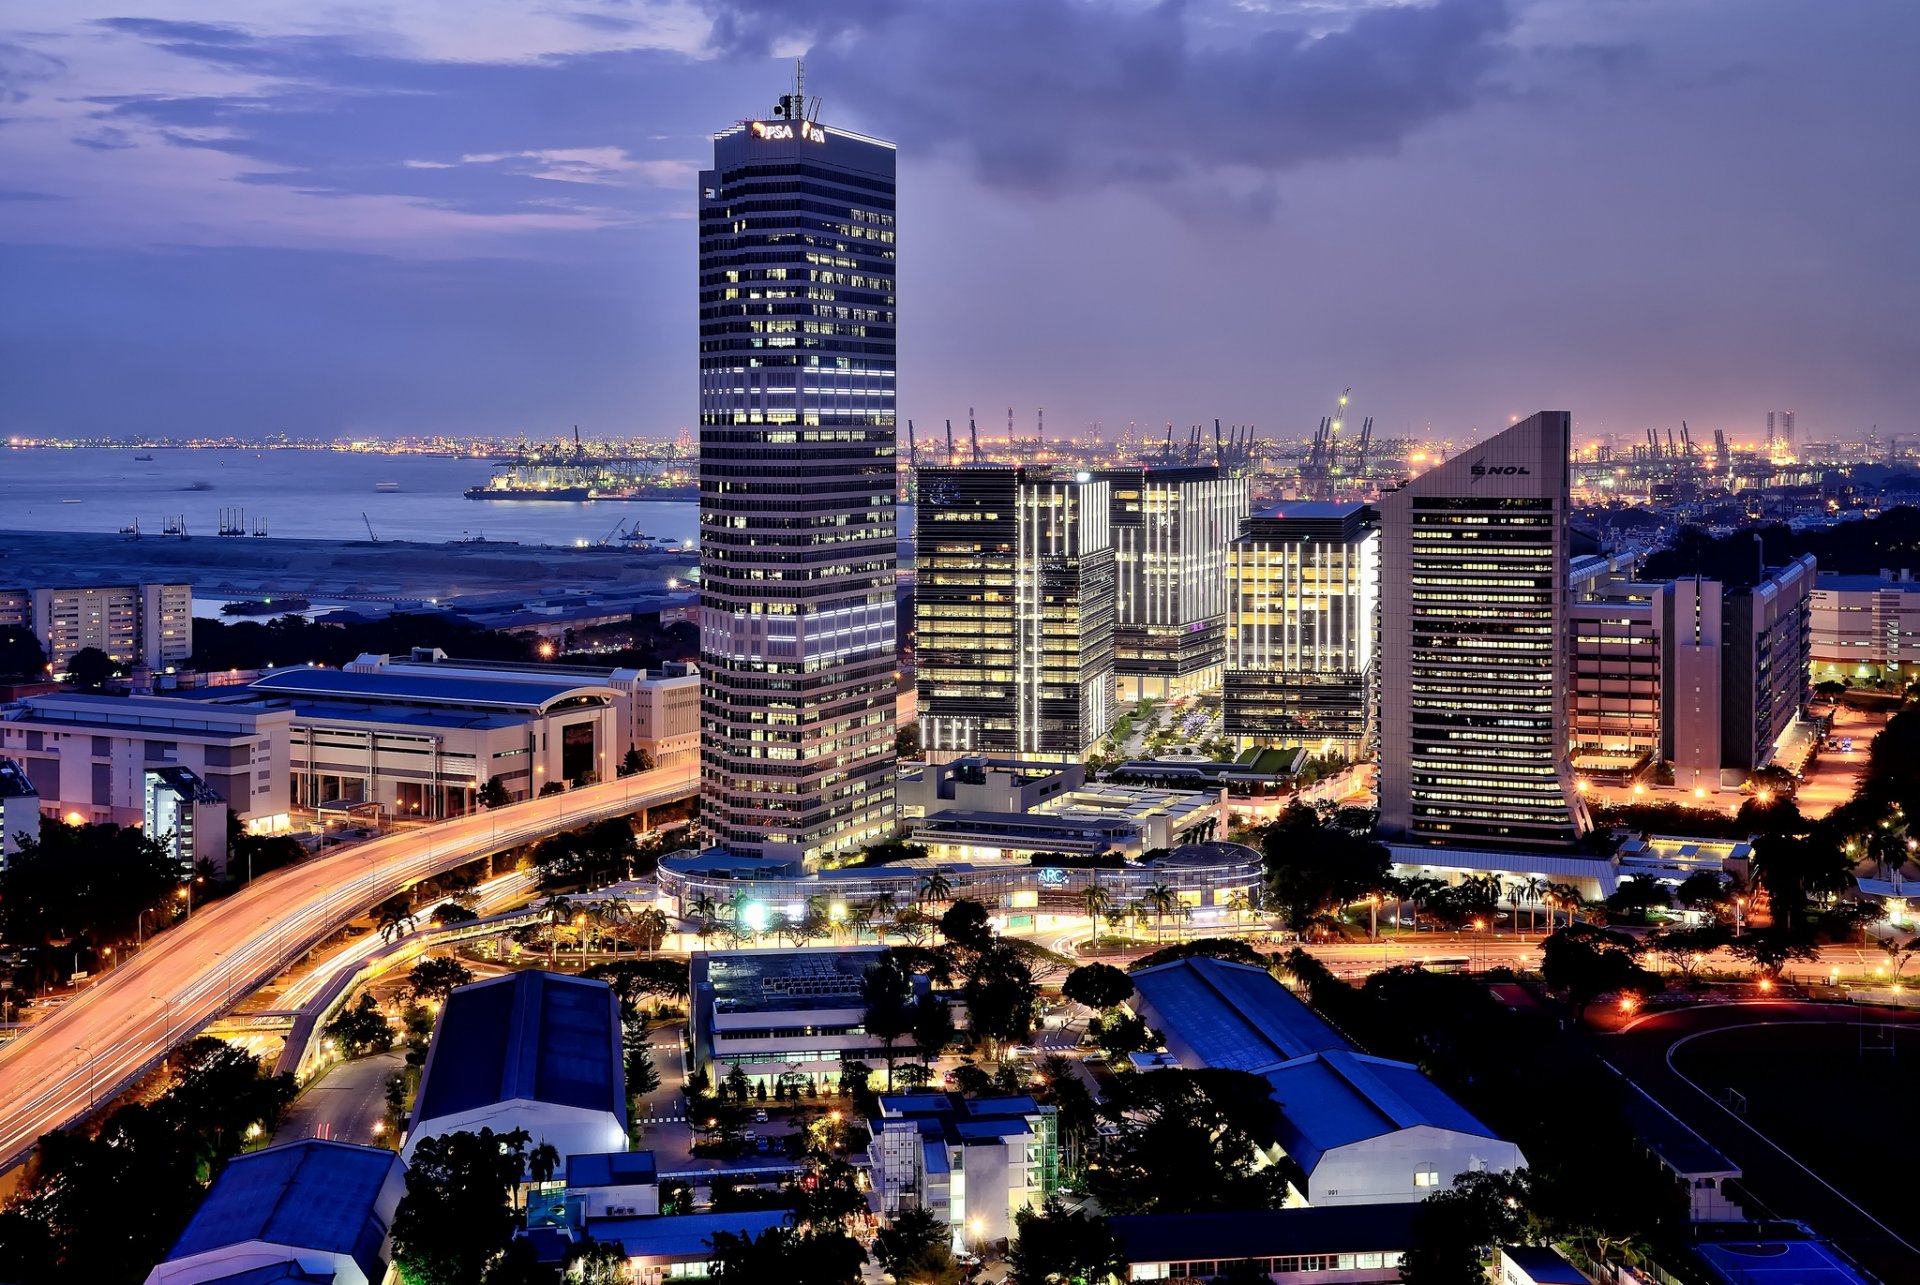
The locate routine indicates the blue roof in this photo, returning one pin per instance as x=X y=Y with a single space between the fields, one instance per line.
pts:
x=1339 y=1097
x=683 y=1236
x=1227 y=1015
x=1842 y=581
x=1266 y=1233
x=1778 y=1262
x=275 y=1274
x=538 y=1036
x=611 y=1168
x=312 y=1195
x=517 y=693
x=1544 y=1264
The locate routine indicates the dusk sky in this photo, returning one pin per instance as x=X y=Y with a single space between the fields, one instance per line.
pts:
x=475 y=216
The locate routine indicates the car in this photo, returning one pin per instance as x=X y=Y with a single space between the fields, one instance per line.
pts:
x=1094 y=1055
x=760 y=1116
x=1023 y=1050
x=764 y=1143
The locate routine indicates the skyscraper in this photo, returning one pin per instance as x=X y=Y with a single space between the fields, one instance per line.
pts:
x=1171 y=528
x=1014 y=588
x=1474 y=663
x=1780 y=432
x=797 y=521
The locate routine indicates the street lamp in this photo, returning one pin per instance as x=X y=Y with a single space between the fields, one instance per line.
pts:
x=185 y=893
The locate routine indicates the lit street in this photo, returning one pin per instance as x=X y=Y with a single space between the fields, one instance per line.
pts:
x=195 y=971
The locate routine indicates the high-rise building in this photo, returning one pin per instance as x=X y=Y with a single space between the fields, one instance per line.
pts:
x=1474 y=663
x=135 y=624
x=1171 y=528
x=1780 y=432
x=797 y=521
x=1304 y=583
x=1014 y=617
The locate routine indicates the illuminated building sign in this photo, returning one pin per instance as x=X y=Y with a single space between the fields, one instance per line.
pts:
x=778 y=129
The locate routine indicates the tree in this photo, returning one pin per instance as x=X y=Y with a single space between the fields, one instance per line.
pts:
x=362 y=1029
x=86 y=884
x=1703 y=890
x=965 y=924
x=1055 y=1246
x=1455 y=1229
x=643 y=1077
x=90 y=669
x=542 y=1161
x=1635 y=896
x=394 y=917
x=916 y=1249
x=21 y=655
x=1002 y=998
x=932 y=1027
x=1186 y=1141
x=1097 y=899
x=1231 y=949
x=452 y=912
x=437 y=978
x=594 y=1262
x=635 y=761
x=1313 y=870
x=1792 y=869
x=1771 y=949
x=1684 y=949
x=888 y=992
x=934 y=886
x=494 y=793
x=1120 y=1034
x=1587 y=962
x=1098 y=987
x=457 y=1215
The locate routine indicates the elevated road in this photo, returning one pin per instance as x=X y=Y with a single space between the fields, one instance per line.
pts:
x=186 y=977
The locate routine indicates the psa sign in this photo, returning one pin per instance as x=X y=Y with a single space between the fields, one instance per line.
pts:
x=778 y=129
x=1480 y=468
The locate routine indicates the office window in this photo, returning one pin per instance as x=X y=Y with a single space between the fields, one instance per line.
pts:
x=1426 y=1178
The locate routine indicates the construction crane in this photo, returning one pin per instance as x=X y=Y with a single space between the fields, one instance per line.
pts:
x=376 y=539
x=1360 y=456
x=1722 y=456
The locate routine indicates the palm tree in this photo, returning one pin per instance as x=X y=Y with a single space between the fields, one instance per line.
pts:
x=556 y=912
x=1565 y=897
x=1515 y=891
x=859 y=919
x=542 y=1161
x=395 y=918
x=934 y=886
x=1163 y=901
x=1899 y=954
x=1534 y=886
x=1096 y=899
x=650 y=925
x=703 y=907
x=1238 y=903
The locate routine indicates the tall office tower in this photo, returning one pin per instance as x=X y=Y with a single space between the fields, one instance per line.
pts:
x=1014 y=621
x=1304 y=581
x=1171 y=528
x=797 y=522
x=1473 y=658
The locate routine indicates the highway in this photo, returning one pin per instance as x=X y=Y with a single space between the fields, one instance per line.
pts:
x=127 y=1021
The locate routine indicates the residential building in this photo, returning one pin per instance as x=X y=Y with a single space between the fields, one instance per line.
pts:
x=1475 y=673
x=1170 y=530
x=1865 y=629
x=309 y=1211
x=534 y=1050
x=1737 y=669
x=779 y=1012
x=135 y=624
x=973 y=1162
x=128 y=760
x=1303 y=593
x=1014 y=612
x=1363 y=1130
x=420 y=741
x=187 y=816
x=656 y=711
x=797 y=297
x=1298 y=1246
x=19 y=808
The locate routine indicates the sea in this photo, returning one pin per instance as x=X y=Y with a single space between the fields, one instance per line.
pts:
x=303 y=494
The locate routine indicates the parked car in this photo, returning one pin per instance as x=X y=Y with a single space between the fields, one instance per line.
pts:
x=760 y=1116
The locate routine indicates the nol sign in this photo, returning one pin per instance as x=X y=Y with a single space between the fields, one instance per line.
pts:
x=809 y=131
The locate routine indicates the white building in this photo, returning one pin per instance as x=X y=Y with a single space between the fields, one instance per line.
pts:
x=1866 y=628
x=19 y=808
x=308 y=1211
x=532 y=1050
x=974 y=1162
x=783 y=1012
x=136 y=624
x=95 y=759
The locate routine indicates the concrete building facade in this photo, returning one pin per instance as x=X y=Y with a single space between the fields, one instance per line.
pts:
x=1303 y=582
x=147 y=760
x=1865 y=629
x=1474 y=668
x=136 y=624
x=973 y=1162
x=1171 y=528
x=798 y=629
x=1014 y=629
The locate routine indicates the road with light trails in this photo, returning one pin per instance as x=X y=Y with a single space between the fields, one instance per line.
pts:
x=185 y=977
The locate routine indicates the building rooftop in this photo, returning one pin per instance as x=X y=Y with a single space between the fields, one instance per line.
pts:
x=1232 y=1015
x=1842 y=582
x=1266 y=1233
x=533 y=1036
x=611 y=1169
x=529 y=694
x=1544 y=1264
x=1309 y=510
x=763 y=980
x=174 y=715
x=1337 y=1097
x=313 y=1195
x=1675 y=1144
x=683 y=1235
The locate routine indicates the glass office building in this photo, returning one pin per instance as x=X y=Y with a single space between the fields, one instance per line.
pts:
x=797 y=489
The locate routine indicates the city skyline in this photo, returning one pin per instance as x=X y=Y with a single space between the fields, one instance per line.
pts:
x=265 y=220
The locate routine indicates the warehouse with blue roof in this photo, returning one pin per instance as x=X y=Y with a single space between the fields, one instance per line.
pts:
x=312 y=1211
x=531 y=1050
x=1363 y=1129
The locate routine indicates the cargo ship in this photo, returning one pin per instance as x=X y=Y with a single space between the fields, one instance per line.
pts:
x=507 y=489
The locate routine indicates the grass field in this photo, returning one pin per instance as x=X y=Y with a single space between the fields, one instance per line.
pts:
x=1845 y=1114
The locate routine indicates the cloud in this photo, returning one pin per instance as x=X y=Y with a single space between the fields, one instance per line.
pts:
x=1055 y=97
x=602 y=165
